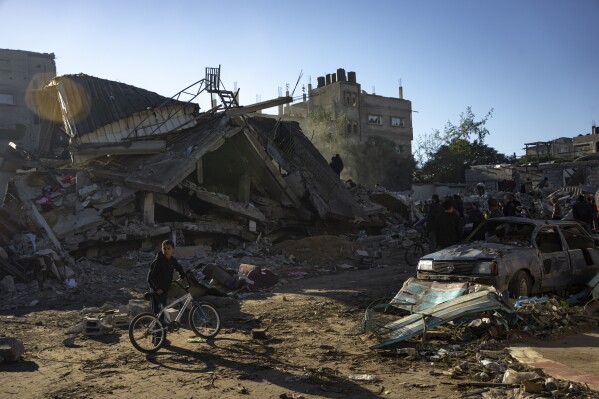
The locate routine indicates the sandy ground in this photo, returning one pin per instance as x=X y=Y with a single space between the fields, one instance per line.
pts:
x=308 y=352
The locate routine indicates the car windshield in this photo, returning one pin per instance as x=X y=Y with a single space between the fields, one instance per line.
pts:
x=503 y=232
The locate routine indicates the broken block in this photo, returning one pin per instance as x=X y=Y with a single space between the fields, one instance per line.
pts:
x=11 y=349
x=120 y=320
x=259 y=333
x=92 y=326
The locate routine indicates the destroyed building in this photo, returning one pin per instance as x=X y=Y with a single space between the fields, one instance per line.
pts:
x=142 y=168
x=23 y=74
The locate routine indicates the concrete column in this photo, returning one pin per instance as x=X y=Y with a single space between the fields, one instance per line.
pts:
x=200 y=171
x=148 y=208
x=244 y=188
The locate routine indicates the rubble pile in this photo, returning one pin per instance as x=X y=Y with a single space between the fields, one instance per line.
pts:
x=545 y=317
x=474 y=353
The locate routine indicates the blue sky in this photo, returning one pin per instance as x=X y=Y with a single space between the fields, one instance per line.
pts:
x=535 y=62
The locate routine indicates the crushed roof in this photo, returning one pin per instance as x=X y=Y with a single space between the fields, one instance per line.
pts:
x=101 y=101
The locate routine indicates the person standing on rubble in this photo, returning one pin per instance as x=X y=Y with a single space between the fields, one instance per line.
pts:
x=556 y=209
x=161 y=272
x=449 y=227
x=511 y=206
x=494 y=211
x=336 y=164
x=434 y=210
x=583 y=212
x=480 y=189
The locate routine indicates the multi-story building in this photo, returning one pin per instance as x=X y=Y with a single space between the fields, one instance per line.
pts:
x=560 y=147
x=365 y=114
x=21 y=74
x=583 y=144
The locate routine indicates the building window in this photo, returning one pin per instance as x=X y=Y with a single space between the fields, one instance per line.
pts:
x=375 y=120
x=399 y=149
x=355 y=125
x=349 y=99
x=7 y=99
x=397 y=122
x=348 y=127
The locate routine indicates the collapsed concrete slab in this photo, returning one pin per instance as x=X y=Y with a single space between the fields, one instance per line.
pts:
x=143 y=166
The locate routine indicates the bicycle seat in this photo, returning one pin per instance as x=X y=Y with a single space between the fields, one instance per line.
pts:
x=148 y=295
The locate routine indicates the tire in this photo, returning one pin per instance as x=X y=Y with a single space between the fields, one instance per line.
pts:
x=204 y=320
x=413 y=254
x=521 y=285
x=143 y=330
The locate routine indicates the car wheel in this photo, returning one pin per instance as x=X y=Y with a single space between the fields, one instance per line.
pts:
x=520 y=285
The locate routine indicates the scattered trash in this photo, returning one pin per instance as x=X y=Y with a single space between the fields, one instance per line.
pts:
x=363 y=377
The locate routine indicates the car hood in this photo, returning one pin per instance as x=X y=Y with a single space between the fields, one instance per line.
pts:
x=475 y=251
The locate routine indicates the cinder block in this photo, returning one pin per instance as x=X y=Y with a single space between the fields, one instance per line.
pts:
x=120 y=320
x=92 y=326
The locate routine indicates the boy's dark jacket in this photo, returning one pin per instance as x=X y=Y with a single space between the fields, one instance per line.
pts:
x=160 y=275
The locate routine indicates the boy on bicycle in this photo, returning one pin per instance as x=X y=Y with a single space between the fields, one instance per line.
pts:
x=160 y=275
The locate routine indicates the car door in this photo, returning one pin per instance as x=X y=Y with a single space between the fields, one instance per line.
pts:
x=581 y=252
x=554 y=260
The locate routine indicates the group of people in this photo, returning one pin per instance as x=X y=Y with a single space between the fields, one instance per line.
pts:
x=445 y=220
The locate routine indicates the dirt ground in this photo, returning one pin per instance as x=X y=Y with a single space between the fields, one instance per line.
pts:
x=308 y=351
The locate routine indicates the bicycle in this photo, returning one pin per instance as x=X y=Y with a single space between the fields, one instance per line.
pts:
x=416 y=250
x=147 y=332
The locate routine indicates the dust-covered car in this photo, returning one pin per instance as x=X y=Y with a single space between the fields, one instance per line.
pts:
x=523 y=256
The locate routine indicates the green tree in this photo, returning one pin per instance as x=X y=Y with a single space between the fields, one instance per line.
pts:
x=444 y=156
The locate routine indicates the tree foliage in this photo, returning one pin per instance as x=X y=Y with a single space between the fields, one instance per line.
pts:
x=445 y=156
x=377 y=162
x=326 y=133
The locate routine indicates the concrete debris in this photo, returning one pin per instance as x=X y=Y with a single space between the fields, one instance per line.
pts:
x=11 y=349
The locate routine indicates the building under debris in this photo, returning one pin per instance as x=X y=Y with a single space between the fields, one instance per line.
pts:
x=140 y=168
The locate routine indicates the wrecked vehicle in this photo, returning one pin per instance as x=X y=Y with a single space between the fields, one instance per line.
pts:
x=520 y=256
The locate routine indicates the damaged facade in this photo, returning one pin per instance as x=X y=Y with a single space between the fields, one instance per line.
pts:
x=24 y=73
x=365 y=114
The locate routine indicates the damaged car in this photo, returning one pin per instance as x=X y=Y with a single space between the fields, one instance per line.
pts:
x=518 y=256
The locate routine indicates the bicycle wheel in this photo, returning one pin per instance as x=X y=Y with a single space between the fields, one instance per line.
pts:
x=204 y=320
x=147 y=333
x=413 y=254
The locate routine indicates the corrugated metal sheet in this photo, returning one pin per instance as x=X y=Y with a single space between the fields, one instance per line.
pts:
x=90 y=104
x=417 y=295
x=159 y=121
x=445 y=312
